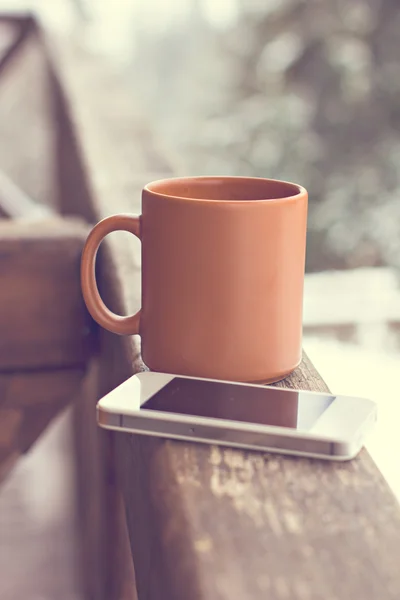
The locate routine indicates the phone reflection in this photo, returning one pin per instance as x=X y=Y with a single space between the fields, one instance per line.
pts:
x=259 y=405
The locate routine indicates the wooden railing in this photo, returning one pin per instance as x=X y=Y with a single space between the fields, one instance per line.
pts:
x=44 y=330
x=203 y=523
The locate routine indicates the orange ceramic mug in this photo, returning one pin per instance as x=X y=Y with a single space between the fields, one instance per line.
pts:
x=222 y=276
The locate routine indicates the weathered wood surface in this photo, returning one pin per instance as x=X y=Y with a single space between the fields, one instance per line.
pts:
x=43 y=322
x=105 y=564
x=28 y=402
x=231 y=524
x=207 y=523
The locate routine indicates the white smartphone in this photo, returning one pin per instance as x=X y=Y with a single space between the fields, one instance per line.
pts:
x=242 y=415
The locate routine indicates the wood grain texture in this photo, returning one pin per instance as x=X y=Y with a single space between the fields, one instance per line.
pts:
x=207 y=523
x=213 y=523
x=28 y=402
x=43 y=321
x=91 y=491
x=105 y=562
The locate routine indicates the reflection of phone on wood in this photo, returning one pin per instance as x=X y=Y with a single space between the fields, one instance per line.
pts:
x=236 y=414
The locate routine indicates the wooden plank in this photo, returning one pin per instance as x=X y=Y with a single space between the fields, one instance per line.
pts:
x=106 y=565
x=43 y=321
x=207 y=523
x=91 y=486
x=28 y=402
x=292 y=528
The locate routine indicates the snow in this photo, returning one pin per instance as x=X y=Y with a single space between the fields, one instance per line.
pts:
x=355 y=370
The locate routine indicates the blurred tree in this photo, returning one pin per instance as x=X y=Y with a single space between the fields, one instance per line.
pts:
x=305 y=90
x=308 y=91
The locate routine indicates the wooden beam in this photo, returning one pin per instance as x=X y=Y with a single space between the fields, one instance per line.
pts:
x=28 y=402
x=219 y=523
x=43 y=321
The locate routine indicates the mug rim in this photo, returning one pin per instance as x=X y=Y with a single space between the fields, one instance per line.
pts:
x=298 y=190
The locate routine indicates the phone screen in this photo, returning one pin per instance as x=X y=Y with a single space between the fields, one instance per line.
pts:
x=257 y=405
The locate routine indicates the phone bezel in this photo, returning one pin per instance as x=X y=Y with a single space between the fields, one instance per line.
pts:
x=338 y=434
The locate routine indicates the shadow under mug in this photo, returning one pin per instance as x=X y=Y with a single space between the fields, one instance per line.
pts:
x=222 y=276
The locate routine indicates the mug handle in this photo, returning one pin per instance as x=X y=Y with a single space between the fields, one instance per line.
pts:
x=128 y=325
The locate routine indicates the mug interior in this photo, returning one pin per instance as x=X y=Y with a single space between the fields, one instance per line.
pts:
x=224 y=188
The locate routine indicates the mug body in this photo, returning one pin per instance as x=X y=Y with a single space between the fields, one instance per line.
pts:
x=222 y=277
